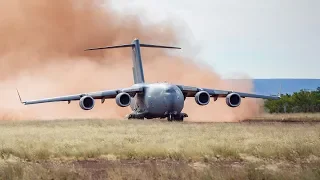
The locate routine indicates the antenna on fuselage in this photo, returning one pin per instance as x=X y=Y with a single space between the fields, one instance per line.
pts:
x=137 y=69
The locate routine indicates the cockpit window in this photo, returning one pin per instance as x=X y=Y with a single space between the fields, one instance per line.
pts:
x=170 y=90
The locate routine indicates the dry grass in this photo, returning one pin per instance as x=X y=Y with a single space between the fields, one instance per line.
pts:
x=34 y=140
x=306 y=117
x=89 y=170
x=28 y=149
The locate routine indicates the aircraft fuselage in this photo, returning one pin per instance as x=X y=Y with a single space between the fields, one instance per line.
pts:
x=159 y=100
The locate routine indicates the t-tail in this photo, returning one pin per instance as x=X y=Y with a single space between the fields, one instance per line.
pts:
x=137 y=69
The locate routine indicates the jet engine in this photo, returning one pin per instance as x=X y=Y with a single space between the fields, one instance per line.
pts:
x=233 y=100
x=123 y=99
x=86 y=102
x=202 y=98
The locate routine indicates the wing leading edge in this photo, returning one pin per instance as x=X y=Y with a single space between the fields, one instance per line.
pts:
x=108 y=94
x=190 y=91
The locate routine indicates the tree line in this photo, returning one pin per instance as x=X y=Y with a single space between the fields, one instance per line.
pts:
x=299 y=102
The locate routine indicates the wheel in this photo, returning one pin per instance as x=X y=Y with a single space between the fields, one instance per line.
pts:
x=170 y=118
x=179 y=118
x=129 y=116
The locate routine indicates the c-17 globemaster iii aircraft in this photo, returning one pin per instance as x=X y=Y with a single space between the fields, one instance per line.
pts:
x=151 y=100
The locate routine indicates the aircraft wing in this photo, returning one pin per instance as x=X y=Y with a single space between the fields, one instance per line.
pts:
x=108 y=94
x=190 y=91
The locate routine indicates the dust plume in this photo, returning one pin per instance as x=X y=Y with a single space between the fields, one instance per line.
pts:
x=41 y=54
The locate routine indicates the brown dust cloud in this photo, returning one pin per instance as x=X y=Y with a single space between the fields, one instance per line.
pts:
x=41 y=54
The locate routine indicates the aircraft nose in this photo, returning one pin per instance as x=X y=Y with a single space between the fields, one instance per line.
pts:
x=169 y=100
x=170 y=91
x=172 y=100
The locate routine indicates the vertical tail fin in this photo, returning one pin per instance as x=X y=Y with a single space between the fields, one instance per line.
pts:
x=134 y=75
x=137 y=62
x=137 y=69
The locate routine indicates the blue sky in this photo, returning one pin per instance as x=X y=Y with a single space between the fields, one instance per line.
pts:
x=264 y=39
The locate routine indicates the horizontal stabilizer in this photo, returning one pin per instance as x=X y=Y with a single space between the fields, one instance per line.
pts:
x=158 y=46
x=110 y=47
x=132 y=45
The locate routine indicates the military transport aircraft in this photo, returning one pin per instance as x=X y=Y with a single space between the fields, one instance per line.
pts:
x=151 y=100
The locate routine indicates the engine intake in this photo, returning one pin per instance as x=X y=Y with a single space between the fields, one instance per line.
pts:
x=123 y=99
x=202 y=98
x=233 y=100
x=86 y=102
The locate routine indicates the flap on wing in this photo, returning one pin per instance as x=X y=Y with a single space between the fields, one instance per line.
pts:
x=102 y=94
x=108 y=94
x=113 y=93
x=133 y=90
x=190 y=91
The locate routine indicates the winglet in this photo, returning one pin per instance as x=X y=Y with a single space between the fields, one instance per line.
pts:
x=20 y=97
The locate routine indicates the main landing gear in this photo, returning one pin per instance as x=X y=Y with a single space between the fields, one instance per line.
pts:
x=170 y=117
x=135 y=116
x=178 y=117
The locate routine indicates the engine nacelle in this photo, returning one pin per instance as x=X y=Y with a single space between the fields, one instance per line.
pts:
x=233 y=100
x=123 y=99
x=86 y=102
x=202 y=98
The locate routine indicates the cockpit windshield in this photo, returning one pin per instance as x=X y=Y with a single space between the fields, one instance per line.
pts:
x=170 y=90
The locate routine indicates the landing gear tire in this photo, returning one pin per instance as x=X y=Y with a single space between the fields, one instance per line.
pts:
x=129 y=116
x=176 y=118
x=135 y=116
x=179 y=118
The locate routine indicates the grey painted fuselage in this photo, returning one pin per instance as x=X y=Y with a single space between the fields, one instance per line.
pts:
x=158 y=100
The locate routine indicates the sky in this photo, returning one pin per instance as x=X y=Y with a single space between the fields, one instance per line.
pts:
x=262 y=39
